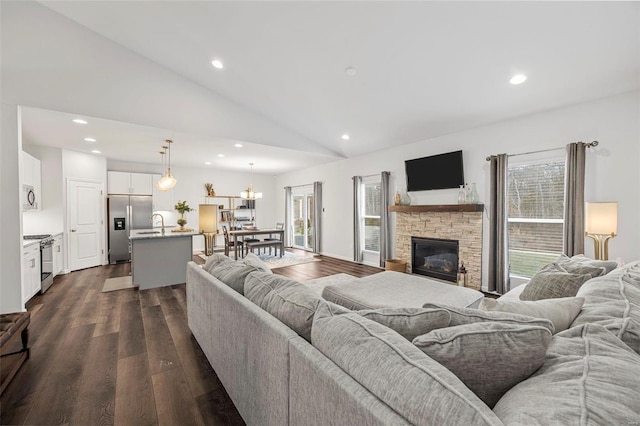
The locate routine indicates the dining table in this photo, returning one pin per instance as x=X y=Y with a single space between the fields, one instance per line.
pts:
x=251 y=232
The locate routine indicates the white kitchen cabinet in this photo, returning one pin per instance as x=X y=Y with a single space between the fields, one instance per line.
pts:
x=162 y=200
x=129 y=183
x=31 y=175
x=31 y=272
x=58 y=258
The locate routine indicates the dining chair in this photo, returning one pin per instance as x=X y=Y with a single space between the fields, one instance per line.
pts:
x=228 y=244
x=279 y=227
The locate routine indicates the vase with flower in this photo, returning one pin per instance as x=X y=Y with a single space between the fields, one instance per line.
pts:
x=182 y=207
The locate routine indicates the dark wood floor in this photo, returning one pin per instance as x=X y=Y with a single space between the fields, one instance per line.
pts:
x=125 y=357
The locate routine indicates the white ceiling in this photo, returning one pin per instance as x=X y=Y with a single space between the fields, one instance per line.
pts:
x=424 y=69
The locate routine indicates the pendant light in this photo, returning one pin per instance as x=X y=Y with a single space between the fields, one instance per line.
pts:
x=167 y=181
x=249 y=194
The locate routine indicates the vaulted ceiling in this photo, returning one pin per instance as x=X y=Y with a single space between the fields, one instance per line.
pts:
x=422 y=69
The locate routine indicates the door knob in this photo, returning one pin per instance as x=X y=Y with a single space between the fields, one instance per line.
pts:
x=73 y=230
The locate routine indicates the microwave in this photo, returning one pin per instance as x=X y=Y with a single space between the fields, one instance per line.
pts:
x=29 y=198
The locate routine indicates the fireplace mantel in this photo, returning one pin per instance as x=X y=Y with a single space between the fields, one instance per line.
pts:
x=438 y=208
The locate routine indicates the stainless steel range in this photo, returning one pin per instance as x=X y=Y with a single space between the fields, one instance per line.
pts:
x=46 y=259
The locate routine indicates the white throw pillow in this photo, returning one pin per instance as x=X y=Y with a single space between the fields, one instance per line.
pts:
x=561 y=311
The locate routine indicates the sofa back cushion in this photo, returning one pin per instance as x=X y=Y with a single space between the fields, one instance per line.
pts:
x=461 y=316
x=561 y=311
x=589 y=378
x=288 y=300
x=614 y=302
x=490 y=358
x=232 y=273
x=418 y=388
x=409 y=322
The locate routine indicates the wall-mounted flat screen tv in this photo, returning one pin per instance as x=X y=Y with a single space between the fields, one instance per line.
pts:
x=441 y=171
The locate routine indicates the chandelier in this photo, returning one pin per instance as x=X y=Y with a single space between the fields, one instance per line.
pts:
x=249 y=194
x=167 y=181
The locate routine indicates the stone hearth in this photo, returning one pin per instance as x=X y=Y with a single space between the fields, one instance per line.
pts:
x=462 y=223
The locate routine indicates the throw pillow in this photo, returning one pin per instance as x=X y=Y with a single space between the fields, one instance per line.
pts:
x=214 y=260
x=553 y=281
x=608 y=265
x=289 y=301
x=490 y=358
x=415 y=386
x=561 y=312
x=252 y=260
x=409 y=322
x=462 y=316
x=589 y=377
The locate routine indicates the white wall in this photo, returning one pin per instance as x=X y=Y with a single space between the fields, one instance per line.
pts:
x=190 y=187
x=49 y=220
x=612 y=167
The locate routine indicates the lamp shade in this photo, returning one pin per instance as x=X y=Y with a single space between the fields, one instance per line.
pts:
x=601 y=218
x=208 y=218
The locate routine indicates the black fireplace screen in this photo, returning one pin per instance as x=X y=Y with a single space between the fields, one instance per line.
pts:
x=435 y=258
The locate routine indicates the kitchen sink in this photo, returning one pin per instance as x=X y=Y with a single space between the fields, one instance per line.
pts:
x=148 y=232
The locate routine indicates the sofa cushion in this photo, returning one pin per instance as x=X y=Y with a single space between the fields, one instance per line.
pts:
x=215 y=259
x=553 y=281
x=461 y=316
x=232 y=273
x=288 y=300
x=561 y=312
x=418 y=388
x=409 y=322
x=581 y=259
x=613 y=301
x=490 y=358
x=252 y=260
x=589 y=378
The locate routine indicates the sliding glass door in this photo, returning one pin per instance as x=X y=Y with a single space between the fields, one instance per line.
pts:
x=303 y=233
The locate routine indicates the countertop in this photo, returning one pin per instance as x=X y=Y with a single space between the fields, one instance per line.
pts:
x=143 y=234
x=27 y=243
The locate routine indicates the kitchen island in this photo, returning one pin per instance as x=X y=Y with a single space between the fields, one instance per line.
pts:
x=159 y=259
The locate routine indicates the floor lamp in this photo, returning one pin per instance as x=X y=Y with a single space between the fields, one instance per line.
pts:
x=601 y=224
x=208 y=224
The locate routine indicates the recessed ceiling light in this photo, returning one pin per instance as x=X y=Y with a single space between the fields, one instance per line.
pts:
x=79 y=121
x=217 y=63
x=208 y=163
x=95 y=151
x=350 y=71
x=89 y=139
x=518 y=79
x=346 y=137
x=238 y=145
x=220 y=155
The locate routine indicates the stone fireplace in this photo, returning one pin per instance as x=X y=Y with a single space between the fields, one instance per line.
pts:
x=434 y=257
x=457 y=222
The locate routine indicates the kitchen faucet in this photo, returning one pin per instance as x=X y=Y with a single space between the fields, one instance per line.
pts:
x=161 y=219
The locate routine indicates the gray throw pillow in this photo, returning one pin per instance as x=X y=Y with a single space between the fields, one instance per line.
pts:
x=462 y=316
x=589 y=378
x=409 y=322
x=232 y=273
x=581 y=259
x=289 y=301
x=252 y=260
x=415 y=386
x=553 y=281
x=490 y=358
x=215 y=259
x=561 y=312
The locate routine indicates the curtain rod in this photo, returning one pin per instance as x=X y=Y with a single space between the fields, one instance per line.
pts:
x=589 y=145
x=298 y=186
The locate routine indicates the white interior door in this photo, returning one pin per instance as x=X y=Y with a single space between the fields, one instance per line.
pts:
x=84 y=208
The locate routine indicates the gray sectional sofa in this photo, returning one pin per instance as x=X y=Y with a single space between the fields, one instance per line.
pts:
x=331 y=366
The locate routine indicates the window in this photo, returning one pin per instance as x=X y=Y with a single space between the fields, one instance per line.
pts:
x=371 y=216
x=535 y=214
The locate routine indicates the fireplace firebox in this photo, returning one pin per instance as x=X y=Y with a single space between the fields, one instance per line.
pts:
x=435 y=258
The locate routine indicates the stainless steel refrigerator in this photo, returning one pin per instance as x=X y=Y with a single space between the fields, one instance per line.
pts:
x=126 y=213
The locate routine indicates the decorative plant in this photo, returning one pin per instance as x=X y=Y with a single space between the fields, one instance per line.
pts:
x=209 y=188
x=182 y=207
